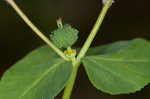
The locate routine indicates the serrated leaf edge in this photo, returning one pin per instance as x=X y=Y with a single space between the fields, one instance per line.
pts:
x=93 y=83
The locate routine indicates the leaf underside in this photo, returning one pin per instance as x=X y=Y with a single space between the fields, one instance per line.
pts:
x=39 y=75
x=119 y=68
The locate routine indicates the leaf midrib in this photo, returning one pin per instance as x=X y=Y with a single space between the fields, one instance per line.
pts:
x=40 y=78
x=100 y=57
x=116 y=60
x=107 y=69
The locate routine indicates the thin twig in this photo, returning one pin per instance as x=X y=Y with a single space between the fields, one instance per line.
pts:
x=35 y=29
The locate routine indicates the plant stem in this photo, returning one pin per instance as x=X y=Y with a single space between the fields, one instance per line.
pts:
x=77 y=62
x=35 y=29
x=94 y=30
x=71 y=81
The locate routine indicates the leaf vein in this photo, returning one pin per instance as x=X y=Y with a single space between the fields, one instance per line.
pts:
x=115 y=74
x=119 y=60
x=40 y=78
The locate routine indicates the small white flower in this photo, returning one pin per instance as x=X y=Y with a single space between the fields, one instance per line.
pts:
x=104 y=1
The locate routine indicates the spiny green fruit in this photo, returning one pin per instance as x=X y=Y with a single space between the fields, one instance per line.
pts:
x=64 y=36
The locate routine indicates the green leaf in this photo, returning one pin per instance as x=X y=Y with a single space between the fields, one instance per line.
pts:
x=39 y=75
x=119 y=68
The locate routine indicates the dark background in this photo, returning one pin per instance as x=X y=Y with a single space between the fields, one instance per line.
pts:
x=126 y=19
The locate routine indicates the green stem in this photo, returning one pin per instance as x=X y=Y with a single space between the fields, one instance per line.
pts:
x=71 y=81
x=77 y=62
x=35 y=29
x=94 y=30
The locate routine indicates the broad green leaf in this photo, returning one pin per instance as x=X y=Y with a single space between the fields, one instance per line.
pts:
x=108 y=48
x=39 y=75
x=119 y=68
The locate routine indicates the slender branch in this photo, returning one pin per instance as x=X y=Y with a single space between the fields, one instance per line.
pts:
x=35 y=29
x=70 y=83
x=94 y=30
x=77 y=62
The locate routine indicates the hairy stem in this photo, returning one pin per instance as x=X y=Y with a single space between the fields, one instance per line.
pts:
x=35 y=29
x=77 y=62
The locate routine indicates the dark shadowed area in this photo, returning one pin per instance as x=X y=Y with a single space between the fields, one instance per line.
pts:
x=126 y=19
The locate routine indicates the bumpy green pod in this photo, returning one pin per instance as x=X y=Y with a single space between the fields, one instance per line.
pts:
x=64 y=36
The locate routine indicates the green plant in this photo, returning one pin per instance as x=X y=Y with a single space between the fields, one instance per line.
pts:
x=117 y=68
